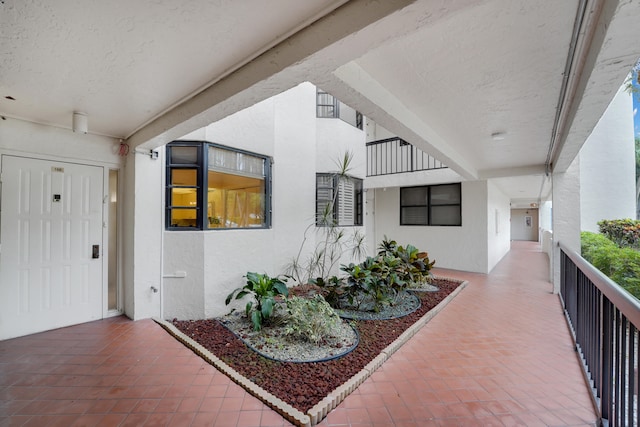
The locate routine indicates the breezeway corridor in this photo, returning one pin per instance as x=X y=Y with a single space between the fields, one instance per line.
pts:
x=499 y=354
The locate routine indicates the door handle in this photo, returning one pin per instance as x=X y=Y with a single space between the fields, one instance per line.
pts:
x=95 y=251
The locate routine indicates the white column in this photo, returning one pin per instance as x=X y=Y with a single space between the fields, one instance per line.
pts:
x=143 y=235
x=566 y=215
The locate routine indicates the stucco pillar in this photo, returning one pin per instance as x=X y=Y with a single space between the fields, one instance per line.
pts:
x=143 y=236
x=565 y=215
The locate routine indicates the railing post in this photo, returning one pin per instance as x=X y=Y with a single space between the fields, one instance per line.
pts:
x=412 y=158
x=607 y=363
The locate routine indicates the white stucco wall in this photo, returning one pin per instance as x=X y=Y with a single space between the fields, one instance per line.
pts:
x=144 y=216
x=566 y=215
x=375 y=132
x=607 y=166
x=498 y=232
x=334 y=139
x=545 y=230
x=428 y=177
x=459 y=248
x=544 y=213
x=29 y=139
x=215 y=261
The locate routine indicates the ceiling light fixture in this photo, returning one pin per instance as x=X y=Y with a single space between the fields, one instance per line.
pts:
x=498 y=136
x=80 y=122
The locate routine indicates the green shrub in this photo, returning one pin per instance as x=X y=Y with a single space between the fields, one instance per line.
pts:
x=622 y=265
x=379 y=280
x=623 y=232
x=414 y=265
x=598 y=250
x=311 y=319
x=625 y=270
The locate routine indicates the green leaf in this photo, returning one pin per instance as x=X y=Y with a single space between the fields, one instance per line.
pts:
x=228 y=300
x=256 y=319
x=267 y=307
x=241 y=294
x=252 y=278
x=247 y=308
x=281 y=288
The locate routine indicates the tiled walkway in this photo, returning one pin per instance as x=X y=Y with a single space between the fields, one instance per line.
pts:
x=499 y=354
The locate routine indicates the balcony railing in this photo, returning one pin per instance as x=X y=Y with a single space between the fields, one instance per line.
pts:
x=395 y=155
x=604 y=320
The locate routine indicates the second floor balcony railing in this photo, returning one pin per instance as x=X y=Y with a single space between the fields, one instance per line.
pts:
x=395 y=155
x=604 y=319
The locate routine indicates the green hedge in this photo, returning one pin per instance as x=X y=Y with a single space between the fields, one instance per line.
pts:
x=622 y=265
x=623 y=232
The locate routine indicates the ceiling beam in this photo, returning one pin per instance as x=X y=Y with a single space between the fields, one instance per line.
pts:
x=609 y=49
x=511 y=172
x=272 y=72
x=357 y=88
x=341 y=36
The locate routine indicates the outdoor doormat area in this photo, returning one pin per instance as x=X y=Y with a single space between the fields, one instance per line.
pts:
x=304 y=393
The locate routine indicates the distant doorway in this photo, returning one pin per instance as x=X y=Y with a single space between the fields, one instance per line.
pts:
x=524 y=224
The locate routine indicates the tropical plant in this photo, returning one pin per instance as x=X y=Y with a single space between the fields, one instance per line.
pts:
x=332 y=241
x=263 y=290
x=377 y=281
x=358 y=284
x=332 y=289
x=632 y=83
x=415 y=265
x=622 y=232
x=310 y=319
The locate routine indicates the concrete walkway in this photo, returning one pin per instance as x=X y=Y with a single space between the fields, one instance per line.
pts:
x=500 y=354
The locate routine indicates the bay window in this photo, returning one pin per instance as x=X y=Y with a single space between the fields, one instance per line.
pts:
x=210 y=186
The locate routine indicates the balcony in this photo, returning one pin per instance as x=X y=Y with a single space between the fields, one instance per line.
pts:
x=395 y=155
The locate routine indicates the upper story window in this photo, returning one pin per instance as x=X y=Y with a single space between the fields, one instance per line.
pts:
x=327 y=106
x=431 y=205
x=211 y=186
x=338 y=200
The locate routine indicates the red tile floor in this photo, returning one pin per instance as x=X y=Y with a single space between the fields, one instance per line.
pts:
x=499 y=354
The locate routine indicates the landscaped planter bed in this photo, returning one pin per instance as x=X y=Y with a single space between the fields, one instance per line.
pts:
x=304 y=385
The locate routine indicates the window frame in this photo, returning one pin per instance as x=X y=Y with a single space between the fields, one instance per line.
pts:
x=429 y=205
x=202 y=166
x=333 y=111
x=358 y=202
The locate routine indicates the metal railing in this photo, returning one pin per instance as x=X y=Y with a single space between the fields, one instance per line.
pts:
x=395 y=155
x=604 y=319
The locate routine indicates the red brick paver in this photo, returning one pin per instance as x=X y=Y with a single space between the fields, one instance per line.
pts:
x=499 y=354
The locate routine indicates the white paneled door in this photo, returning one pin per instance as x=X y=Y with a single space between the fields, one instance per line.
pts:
x=50 y=245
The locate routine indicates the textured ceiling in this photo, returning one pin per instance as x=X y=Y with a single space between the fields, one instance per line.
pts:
x=125 y=62
x=443 y=75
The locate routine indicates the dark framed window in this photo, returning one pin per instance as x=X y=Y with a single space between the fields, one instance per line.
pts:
x=431 y=205
x=338 y=200
x=328 y=107
x=210 y=186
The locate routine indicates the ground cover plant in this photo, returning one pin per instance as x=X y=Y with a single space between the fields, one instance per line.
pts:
x=303 y=385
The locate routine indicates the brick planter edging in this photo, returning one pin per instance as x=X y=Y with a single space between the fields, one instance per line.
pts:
x=335 y=397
